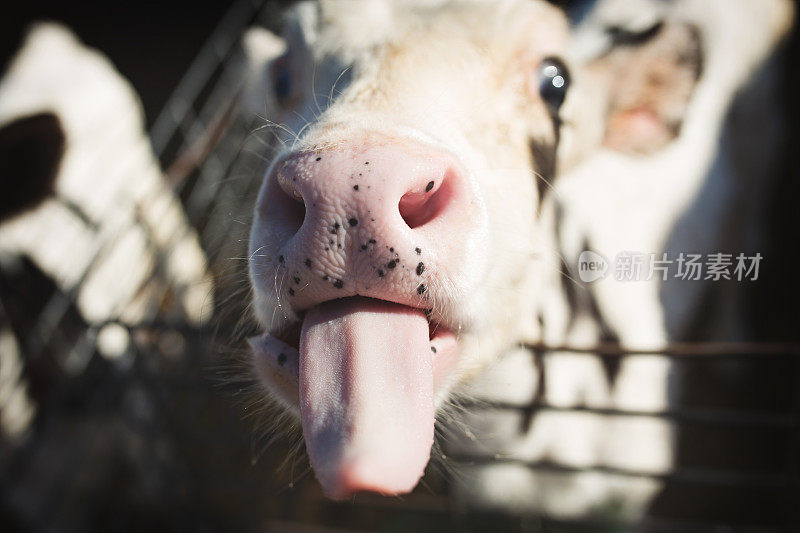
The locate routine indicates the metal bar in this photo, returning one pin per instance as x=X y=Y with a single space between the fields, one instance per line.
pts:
x=694 y=476
x=681 y=349
x=751 y=419
x=221 y=41
x=699 y=349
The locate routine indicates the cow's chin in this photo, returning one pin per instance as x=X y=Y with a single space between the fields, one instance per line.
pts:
x=276 y=353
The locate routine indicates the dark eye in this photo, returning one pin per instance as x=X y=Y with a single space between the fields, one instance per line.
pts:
x=553 y=82
x=282 y=81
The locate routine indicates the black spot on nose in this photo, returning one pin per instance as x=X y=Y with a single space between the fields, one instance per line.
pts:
x=433 y=349
x=380 y=273
x=291 y=292
x=391 y=264
x=418 y=251
x=282 y=359
x=297 y=280
x=363 y=246
x=308 y=262
x=280 y=259
x=420 y=268
x=355 y=187
x=319 y=158
x=421 y=288
x=429 y=186
x=372 y=241
x=338 y=284
x=353 y=221
x=335 y=228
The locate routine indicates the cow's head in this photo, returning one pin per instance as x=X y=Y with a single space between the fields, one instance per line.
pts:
x=393 y=252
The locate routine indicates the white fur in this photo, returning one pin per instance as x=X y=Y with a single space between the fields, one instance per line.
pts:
x=111 y=174
x=681 y=198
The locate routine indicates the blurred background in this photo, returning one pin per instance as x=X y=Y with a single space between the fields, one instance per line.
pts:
x=123 y=400
x=151 y=44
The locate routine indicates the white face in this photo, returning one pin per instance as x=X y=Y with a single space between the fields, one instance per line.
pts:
x=393 y=251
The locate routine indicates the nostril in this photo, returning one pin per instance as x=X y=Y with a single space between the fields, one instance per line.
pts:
x=423 y=204
x=296 y=211
x=294 y=208
x=284 y=206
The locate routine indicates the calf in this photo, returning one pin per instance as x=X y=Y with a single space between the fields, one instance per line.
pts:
x=94 y=203
x=673 y=79
x=86 y=218
x=397 y=250
x=393 y=251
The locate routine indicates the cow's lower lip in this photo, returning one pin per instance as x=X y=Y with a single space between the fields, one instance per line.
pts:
x=437 y=333
x=285 y=345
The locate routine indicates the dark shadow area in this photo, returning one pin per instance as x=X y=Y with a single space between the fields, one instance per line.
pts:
x=151 y=43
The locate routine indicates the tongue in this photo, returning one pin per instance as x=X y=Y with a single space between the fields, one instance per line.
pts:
x=366 y=395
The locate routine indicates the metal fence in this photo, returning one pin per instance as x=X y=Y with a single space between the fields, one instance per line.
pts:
x=169 y=435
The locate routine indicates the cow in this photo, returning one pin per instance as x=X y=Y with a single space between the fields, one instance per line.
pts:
x=412 y=228
x=92 y=236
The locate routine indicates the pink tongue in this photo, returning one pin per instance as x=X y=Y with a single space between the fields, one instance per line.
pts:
x=366 y=395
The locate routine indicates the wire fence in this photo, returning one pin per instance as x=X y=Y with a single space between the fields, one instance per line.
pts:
x=163 y=435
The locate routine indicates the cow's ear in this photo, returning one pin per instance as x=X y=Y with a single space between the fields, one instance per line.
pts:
x=31 y=149
x=261 y=46
x=263 y=50
x=650 y=77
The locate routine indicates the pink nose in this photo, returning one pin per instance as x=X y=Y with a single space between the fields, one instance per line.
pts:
x=377 y=217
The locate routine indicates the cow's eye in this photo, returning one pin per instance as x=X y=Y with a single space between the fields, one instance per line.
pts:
x=553 y=82
x=282 y=81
